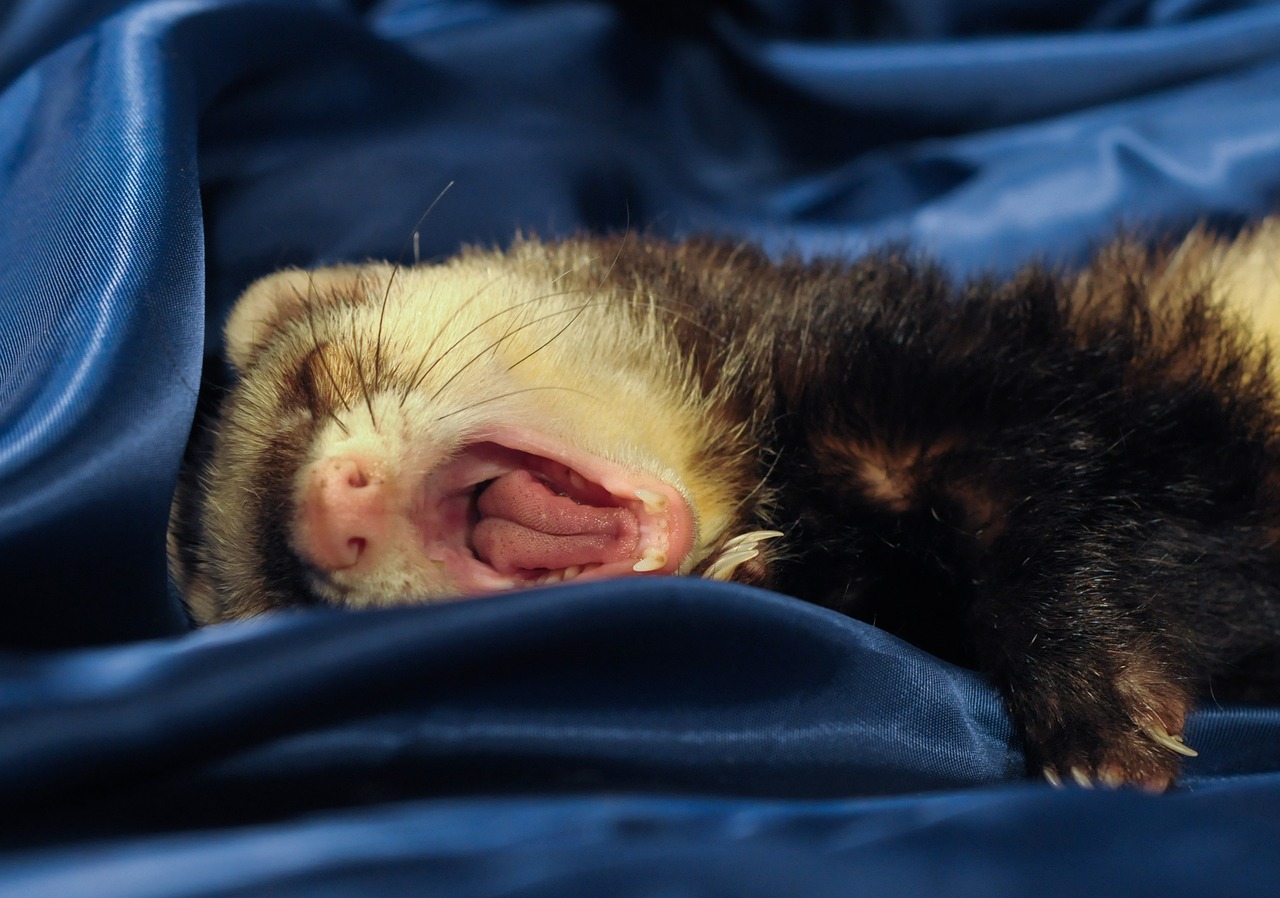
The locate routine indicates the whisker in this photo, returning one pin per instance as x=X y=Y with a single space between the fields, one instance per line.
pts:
x=572 y=268
x=640 y=302
x=568 y=324
x=318 y=348
x=508 y=335
x=419 y=374
x=419 y=378
x=764 y=479
x=357 y=356
x=333 y=416
x=622 y=244
x=382 y=315
x=430 y=360
x=395 y=270
x=507 y=395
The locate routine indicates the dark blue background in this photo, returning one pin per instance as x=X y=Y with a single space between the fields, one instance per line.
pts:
x=673 y=738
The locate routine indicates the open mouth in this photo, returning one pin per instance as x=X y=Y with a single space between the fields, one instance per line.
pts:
x=514 y=511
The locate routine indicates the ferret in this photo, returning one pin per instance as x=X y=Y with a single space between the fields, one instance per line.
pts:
x=1067 y=480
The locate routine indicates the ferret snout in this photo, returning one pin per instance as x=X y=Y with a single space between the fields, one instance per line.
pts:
x=343 y=511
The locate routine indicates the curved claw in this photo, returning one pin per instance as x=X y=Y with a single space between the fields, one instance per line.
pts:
x=750 y=540
x=1111 y=777
x=1082 y=779
x=1159 y=735
x=726 y=564
x=736 y=551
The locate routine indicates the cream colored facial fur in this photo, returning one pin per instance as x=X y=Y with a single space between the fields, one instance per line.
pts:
x=415 y=362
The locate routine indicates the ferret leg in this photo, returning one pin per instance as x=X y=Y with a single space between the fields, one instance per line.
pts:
x=1071 y=628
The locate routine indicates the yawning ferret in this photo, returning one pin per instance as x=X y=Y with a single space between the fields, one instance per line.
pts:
x=1068 y=482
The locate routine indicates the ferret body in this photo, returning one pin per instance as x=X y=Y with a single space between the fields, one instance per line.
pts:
x=1068 y=482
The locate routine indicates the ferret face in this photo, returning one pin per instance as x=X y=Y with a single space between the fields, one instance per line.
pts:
x=419 y=434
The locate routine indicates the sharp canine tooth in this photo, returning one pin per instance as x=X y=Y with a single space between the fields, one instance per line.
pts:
x=653 y=560
x=576 y=480
x=570 y=572
x=654 y=502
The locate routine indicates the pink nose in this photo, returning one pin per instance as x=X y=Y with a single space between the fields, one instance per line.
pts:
x=343 y=513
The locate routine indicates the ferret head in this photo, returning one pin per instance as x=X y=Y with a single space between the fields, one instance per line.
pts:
x=402 y=435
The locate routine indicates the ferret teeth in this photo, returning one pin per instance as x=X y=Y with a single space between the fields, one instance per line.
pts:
x=654 y=559
x=570 y=572
x=576 y=481
x=654 y=502
x=1160 y=736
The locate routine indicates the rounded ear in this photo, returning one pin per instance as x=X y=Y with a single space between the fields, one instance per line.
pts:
x=277 y=299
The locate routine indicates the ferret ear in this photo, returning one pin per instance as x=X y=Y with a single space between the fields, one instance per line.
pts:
x=278 y=298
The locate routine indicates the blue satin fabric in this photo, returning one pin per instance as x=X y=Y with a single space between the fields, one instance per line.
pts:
x=631 y=738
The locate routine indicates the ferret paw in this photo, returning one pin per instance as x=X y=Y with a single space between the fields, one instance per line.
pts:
x=1128 y=735
x=1149 y=759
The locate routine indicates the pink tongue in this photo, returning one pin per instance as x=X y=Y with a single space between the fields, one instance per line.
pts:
x=525 y=525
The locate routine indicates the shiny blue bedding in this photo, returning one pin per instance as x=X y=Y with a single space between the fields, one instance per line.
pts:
x=632 y=738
